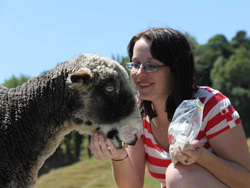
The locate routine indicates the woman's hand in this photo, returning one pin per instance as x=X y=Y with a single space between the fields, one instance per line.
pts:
x=188 y=157
x=104 y=149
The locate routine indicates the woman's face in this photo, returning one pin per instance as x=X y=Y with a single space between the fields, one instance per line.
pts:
x=151 y=86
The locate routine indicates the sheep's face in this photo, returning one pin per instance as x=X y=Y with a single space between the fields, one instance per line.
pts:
x=107 y=101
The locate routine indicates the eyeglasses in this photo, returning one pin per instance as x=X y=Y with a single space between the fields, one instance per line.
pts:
x=147 y=67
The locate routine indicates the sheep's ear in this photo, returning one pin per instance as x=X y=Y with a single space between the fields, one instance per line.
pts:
x=83 y=75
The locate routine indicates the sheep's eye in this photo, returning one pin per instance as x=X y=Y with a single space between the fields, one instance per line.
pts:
x=110 y=89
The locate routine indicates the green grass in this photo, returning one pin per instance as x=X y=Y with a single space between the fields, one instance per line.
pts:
x=88 y=173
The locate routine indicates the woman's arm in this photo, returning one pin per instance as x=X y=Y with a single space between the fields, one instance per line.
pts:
x=231 y=164
x=128 y=172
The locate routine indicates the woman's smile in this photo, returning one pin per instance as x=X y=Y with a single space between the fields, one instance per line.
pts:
x=143 y=84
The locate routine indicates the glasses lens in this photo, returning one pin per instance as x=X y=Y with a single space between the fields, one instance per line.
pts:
x=129 y=66
x=136 y=65
x=150 y=67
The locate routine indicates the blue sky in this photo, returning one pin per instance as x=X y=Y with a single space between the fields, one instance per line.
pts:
x=35 y=35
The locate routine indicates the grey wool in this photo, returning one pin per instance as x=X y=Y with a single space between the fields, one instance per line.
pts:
x=88 y=93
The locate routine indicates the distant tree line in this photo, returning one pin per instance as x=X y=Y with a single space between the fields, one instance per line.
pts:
x=225 y=66
x=221 y=64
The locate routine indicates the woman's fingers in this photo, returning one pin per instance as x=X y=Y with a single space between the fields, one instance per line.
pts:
x=182 y=157
x=115 y=152
x=92 y=145
x=104 y=149
x=189 y=156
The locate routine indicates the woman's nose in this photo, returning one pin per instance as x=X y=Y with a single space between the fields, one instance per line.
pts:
x=140 y=70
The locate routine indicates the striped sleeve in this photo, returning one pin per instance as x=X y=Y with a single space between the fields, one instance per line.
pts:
x=218 y=115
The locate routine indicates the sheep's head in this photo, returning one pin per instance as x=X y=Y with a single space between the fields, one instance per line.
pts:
x=107 y=101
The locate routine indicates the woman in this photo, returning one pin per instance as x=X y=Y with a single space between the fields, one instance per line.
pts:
x=162 y=69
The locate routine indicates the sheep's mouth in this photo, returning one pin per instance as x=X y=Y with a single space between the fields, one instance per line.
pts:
x=133 y=142
x=121 y=144
x=114 y=136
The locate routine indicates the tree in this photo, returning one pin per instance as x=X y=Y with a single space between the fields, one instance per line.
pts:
x=232 y=77
x=240 y=36
x=192 y=41
x=217 y=74
x=237 y=69
x=240 y=40
x=216 y=47
x=123 y=60
x=13 y=82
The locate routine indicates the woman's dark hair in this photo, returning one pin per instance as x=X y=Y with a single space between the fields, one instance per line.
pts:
x=170 y=47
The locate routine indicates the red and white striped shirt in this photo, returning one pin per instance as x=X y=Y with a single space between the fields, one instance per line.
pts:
x=218 y=116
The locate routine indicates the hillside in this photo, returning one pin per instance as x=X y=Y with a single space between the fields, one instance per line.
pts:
x=89 y=173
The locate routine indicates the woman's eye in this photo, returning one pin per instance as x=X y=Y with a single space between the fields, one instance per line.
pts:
x=136 y=65
x=110 y=88
x=152 y=65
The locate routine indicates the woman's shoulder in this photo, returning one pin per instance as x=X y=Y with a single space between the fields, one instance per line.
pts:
x=202 y=91
x=205 y=94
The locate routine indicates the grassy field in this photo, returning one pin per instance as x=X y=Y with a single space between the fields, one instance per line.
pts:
x=88 y=173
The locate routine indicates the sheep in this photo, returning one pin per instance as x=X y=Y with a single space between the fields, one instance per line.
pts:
x=88 y=93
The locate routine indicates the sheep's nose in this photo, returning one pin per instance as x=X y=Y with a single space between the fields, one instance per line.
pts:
x=113 y=133
x=133 y=142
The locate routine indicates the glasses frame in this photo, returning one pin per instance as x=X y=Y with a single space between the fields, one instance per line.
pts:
x=130 y=66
